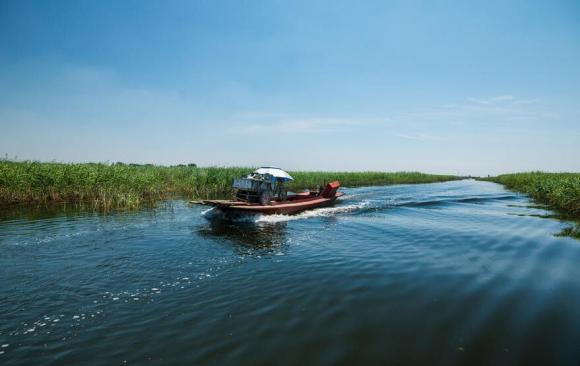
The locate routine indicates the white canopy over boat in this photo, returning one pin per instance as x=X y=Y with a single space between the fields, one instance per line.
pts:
x=275 y=172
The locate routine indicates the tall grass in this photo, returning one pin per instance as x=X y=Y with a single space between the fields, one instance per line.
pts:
x=560 y=190
x=358 y=179
x=118 y=186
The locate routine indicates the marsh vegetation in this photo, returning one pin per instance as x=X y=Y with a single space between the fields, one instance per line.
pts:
x=559 y=190
x=125 y=186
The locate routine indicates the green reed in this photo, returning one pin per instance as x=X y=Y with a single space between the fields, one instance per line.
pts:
x=126 y=186
x=559 y=190
x=314 y=179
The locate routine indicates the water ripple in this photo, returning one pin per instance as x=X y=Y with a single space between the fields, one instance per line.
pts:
x=454 y=273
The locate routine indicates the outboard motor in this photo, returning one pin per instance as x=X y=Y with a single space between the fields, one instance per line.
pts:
x=330 y=189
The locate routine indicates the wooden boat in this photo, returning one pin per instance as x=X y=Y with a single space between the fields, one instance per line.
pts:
x=292 y=204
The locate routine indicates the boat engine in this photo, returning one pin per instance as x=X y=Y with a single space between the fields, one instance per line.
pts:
x=262 y=185
x=255 y=188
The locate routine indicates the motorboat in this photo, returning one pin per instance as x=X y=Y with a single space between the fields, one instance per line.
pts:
x=263 y=191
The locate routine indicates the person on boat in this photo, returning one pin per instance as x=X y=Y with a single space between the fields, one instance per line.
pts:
x=282 y=190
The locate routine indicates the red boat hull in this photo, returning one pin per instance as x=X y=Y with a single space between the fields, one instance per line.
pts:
x=294 y=204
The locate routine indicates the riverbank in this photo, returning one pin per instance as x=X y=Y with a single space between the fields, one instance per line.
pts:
x=559 y=190
x=126 y=186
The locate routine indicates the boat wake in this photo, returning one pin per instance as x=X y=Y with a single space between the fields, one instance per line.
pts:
x=373 y=200
x=344 y=206
x=217 y=215
x=319 y=212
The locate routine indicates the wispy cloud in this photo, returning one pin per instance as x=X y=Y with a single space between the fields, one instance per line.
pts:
x=438 y=123
x=470 y=117
x=277 y=124
x=418 y=136
x=485 y=111
x=501 y=100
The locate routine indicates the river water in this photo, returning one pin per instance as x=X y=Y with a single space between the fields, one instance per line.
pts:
x=457 y=273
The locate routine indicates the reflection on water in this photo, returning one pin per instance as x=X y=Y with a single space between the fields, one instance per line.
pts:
x=252 y=234
x=458 y=273
x=38 y=212
x=572 y=231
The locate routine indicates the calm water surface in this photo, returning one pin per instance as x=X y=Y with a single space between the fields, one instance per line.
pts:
x=459 y=273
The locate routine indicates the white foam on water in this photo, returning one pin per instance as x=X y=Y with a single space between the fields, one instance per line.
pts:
x=214 y=213
x=319 y=212
x=80 y=233
x=208 y=212
x=52 y=323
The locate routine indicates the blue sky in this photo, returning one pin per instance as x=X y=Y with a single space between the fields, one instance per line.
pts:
x=435 y=86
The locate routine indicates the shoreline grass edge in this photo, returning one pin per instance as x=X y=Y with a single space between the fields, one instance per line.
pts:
x=560 y=191
x=103 y=186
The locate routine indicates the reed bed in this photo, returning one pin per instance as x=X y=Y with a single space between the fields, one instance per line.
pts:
x=126 y=186
x=559 y=190
x=312 y=179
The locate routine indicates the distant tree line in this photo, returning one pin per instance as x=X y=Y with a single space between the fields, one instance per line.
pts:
x=189 y=165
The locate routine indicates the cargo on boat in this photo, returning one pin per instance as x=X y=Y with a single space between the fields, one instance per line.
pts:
x=264 y=191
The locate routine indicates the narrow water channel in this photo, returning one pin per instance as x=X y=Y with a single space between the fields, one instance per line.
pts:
x=457 y=273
